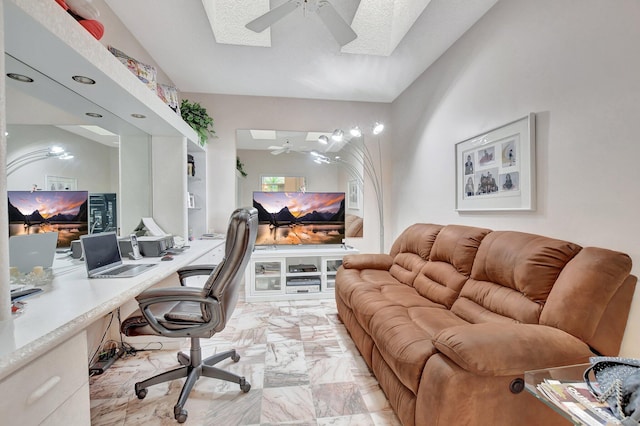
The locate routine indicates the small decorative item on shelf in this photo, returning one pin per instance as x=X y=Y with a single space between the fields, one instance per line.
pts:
x=240 y=167
x=191 y=165
x=196 y=116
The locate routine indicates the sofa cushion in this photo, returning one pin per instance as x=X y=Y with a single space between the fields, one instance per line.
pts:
x=352 y=279
x=417 y=238
x=411 y=251
x=367 y=300
x=506 y=349
x=595 y=274
x=404 y=338
x=512 y=276
x=449 y=266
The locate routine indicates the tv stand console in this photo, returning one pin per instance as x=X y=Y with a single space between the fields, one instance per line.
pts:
x=293 y=272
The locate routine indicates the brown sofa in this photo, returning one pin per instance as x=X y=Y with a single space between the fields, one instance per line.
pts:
x=451 y=318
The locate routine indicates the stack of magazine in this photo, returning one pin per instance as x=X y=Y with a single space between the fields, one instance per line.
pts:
x=575 y=399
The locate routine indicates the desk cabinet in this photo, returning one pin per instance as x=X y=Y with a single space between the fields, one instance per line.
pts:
x=52 y=390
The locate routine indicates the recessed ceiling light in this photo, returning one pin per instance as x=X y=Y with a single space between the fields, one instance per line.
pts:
x=19 y=77
x=84 y=80
x=93 y=114
x=138 y=116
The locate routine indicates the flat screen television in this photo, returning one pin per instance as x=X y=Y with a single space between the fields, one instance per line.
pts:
x=292 y=218
x=47 y=211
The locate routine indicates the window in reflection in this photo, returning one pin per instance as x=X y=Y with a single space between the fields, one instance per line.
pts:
x=283 y=183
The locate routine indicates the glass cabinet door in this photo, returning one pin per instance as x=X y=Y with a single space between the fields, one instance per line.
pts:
x=268 y=275
x=332 y=266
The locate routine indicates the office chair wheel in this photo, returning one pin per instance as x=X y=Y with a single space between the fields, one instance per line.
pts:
x=140 y=393
x=235 y=357
x=244 y=385
x=180 y=414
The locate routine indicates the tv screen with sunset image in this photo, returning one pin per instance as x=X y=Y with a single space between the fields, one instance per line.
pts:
x=291 y=218
x=65 y=212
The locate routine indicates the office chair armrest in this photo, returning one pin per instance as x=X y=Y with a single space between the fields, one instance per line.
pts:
x=177 y=294
x=193 y=271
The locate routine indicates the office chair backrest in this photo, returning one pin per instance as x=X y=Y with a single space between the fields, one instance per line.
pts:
x=224 y=283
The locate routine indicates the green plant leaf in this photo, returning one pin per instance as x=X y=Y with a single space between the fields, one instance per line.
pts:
x=197 y=117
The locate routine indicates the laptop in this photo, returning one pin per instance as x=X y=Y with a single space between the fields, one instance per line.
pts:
x=27 y=251
x=103 y=259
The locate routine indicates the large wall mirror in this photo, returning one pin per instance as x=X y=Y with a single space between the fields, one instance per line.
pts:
x=291 y=155
x=102 y=154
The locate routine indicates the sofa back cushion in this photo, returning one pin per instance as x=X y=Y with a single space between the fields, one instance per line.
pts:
x=450 y=261
x=411 y=250
x=511 y=277
x=592 y=297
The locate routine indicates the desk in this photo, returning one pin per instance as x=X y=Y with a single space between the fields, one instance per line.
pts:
x=53 y=326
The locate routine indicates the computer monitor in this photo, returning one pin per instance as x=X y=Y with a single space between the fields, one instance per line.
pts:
x=65 y=212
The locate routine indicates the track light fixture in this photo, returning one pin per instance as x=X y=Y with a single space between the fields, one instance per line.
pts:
x=355 y=132
x=338 y=135
x=323 y=139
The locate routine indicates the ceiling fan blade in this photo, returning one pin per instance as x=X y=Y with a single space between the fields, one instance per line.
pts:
x=336 y=25
x=263 y=22
x=272 y=147
x=278 y=151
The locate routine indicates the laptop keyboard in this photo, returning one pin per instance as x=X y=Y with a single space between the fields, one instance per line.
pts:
x=119 y=270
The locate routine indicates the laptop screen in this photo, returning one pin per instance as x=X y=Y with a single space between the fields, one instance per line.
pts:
x=27 y=251
x=100 y=250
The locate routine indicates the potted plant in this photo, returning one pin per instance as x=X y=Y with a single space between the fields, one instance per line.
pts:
x=196 y=116
x=240 y=167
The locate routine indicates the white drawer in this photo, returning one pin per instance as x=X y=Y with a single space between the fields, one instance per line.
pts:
x=31 y=394
x=76 y=411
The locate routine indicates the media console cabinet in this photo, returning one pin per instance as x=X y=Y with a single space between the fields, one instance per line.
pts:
x=293 y=272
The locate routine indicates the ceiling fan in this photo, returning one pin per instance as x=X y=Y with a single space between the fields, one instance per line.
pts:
x=336 y=25
x=286 y=148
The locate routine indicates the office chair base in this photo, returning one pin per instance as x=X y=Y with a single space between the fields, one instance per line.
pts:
x=193 y=367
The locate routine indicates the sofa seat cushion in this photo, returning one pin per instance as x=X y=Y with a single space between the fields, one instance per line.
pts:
x=350 y=280
x=404 y=338
x=367 y=300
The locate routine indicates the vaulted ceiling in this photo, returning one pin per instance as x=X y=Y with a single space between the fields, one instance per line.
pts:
x=204 y=47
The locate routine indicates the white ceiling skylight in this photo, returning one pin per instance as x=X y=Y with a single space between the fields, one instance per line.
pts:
x=379 y=24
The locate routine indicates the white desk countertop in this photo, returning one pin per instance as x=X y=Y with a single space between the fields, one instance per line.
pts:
x=71 y=302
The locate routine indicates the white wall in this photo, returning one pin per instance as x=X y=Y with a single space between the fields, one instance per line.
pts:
x=95 y=166
x=250 y=112
x=573 y=63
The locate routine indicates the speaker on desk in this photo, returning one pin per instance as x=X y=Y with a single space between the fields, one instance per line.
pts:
x=76 y=249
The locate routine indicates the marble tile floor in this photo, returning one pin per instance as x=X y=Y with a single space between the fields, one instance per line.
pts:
x=302 y=365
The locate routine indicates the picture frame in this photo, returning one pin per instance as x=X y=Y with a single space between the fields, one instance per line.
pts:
x=354 y=196
x=59 y=183
x=495 y=170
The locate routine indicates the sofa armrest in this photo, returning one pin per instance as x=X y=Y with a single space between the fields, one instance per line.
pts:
x=509 y=349
x=367 y=261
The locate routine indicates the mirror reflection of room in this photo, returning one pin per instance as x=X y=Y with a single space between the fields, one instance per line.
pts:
x=284 y=161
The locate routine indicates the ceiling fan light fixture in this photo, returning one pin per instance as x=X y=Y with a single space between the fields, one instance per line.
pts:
x=323 y=139
x=355 y=132
x=378 y=127
x=338 y=135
